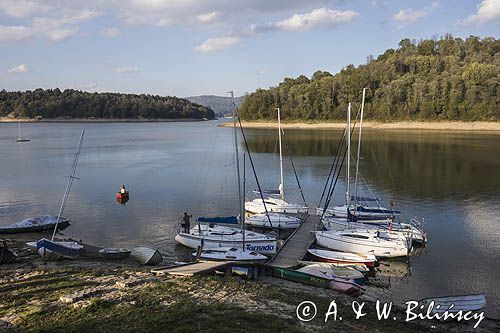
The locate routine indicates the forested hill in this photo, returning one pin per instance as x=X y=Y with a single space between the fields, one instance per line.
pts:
x=445 y=79
x=53 y=103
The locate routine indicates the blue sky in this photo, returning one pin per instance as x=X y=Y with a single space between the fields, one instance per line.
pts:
x=194 y=47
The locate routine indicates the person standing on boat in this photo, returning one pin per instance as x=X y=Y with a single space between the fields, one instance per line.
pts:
x=123 y=190
x=186 y=222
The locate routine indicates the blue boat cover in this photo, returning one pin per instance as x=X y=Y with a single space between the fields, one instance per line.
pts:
x=219 y=219
x=58 y=248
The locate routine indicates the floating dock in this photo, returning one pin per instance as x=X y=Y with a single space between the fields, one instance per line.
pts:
x=296 y=246
x=200 y=267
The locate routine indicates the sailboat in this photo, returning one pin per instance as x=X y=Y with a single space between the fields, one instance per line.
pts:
x=19 y=139
x=360 y=241
x=208 y=235
x=358 y=207
x=273 y=203
x=54 y=250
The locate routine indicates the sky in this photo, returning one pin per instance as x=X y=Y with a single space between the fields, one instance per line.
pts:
x=196 y=47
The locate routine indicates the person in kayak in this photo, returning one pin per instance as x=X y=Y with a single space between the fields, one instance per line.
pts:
x=123 y=190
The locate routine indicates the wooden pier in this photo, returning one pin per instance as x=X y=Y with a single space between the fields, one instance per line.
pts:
x=297 y=244
x=200 y=267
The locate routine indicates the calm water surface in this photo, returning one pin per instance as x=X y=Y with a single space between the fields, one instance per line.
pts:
x=451 y=180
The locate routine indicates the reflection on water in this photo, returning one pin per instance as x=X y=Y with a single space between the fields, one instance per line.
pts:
x=449 y=179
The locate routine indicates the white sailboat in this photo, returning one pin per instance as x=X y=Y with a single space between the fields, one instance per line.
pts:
x=229 y=254
x=274 y=204
x=278 y=221
x=19 y=138
x=54 y=250
x=357 y=207
x=212 y=236
x=362 y=241
x=391 y=229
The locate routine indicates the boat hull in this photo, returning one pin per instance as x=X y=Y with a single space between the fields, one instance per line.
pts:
x=35 y=224
x=55 y=250
x=278 y=221
x=147 y=256
x=342 y=258
x=379 y=248
x=263 y=246
x=256 y=206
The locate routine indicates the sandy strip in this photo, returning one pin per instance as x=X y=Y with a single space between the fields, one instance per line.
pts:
x=403 y=125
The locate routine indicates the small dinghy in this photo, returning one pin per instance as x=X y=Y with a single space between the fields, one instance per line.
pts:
x=278 y=221
x=114 y=253
x=359 y=267
x=55 y=250
x=37 y=223
x=343 y=257
x=147 y=256
x=332 y=272
x=230 y=254
x=463 y=303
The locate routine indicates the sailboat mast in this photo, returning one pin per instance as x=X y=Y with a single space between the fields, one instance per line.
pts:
x=359 y=149
x=68 y=185
x=240 y=201
x=19 y=127
x=282 y=182
x=348 y=135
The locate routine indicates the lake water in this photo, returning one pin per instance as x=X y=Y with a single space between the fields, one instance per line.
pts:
x=451 y=180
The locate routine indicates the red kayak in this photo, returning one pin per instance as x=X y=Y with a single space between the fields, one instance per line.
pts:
x=122 y=197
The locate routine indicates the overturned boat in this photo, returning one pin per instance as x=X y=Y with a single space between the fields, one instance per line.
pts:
x=35 y=224
x=146 y=255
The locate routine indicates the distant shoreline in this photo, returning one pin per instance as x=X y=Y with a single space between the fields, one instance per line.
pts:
x=96 y=120
x=483 y=126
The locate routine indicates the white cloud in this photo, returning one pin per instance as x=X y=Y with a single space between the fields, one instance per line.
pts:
x=110 y=32
x=408 y=16
x=487 y=11
x=321 y=17
x=260 y=72
x=207 y=17
x=219 y=43
x=19 y=69
x=22 y=8
x=318 y=18
x=127 y=70
x=14 y=33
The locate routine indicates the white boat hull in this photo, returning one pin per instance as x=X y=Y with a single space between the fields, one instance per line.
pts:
x=211 y=237
x=278 y=221
x=381 y=248
x=275 y=205
x=230 y=254
x=399 y=230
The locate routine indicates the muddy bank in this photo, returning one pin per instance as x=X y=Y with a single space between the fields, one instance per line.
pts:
x=102 y=296
x=402 y=125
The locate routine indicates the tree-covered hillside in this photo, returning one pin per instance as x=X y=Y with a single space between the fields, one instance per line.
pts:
x=445 y=79
x=53 y=103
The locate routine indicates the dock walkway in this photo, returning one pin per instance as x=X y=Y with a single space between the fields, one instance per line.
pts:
x=297 y=244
